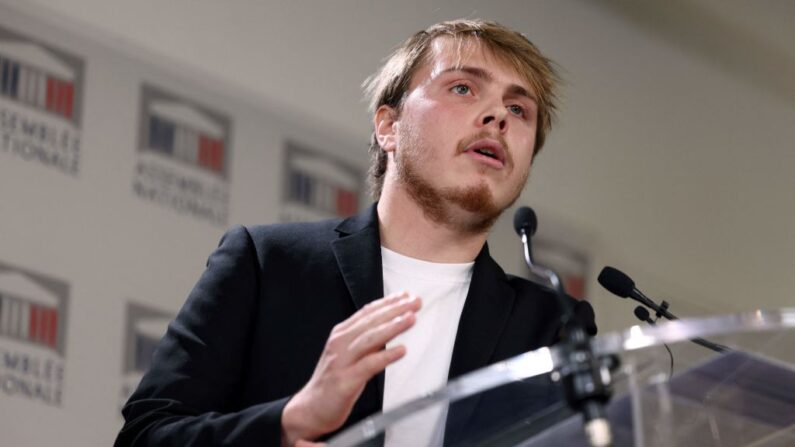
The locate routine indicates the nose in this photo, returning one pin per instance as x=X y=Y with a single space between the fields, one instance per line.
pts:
x=496 y=116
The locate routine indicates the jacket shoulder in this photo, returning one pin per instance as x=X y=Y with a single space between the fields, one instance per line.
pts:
x=295 y=233
x=283 y=242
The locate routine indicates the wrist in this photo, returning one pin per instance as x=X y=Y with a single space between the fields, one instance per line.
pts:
x=296 y=423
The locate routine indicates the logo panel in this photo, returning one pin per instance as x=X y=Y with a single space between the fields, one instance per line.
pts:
x=32 y=335
x=41 y=92
x=318 y=186
x=183 y=155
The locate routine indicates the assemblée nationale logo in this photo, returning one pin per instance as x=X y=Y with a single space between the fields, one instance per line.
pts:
x=32 y=335
x=183 y=155
x=317 y=185
x=41 y=91
x=145 y=327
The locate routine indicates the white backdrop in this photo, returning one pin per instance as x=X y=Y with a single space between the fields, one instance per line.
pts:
x=78 y=241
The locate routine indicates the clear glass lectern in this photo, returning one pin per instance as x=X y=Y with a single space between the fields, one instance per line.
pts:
x=742 y=397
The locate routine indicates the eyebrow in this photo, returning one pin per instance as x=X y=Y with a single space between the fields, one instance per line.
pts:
x=484 y=75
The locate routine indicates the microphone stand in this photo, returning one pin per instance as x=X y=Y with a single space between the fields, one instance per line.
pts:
x=586 y=378
x=662 y=311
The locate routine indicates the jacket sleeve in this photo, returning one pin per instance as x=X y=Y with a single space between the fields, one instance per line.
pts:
x=189 y=395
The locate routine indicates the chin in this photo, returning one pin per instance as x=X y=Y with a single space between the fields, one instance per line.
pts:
x=477 y=203
x=470 y=208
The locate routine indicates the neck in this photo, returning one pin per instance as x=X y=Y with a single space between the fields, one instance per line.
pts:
x=406 y=229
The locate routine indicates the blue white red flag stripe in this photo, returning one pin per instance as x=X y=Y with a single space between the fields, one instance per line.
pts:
x=31 y=86
x=28 y=321
x=314 y=193
x=186 y=144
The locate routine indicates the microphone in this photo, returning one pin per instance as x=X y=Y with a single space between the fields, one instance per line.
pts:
x=620 y=284
x=525 y=225
x=524 y=221
x=643 y=315
x=586 y=378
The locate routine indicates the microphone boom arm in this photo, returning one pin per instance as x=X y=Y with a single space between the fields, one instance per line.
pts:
x=585 y=377
x=552 y=278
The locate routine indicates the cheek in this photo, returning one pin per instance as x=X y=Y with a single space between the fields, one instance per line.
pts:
x=429 y=118
x=526 y=156
x=423 y=127
x=524 y=143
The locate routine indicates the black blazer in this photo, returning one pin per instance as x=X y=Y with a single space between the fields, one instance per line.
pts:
x=255 y=324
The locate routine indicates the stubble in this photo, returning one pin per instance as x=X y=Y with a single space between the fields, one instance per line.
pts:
x=439 y=204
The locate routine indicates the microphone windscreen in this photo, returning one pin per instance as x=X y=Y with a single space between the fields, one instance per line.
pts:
x=616 y=282
x=525 y=218
x=642 y=313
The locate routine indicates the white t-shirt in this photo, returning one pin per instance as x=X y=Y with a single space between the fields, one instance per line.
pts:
x=429 y=343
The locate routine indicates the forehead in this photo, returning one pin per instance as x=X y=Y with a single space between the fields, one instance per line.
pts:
x=446 y=53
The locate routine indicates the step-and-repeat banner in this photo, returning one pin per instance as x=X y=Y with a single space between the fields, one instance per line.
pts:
x=118 y=175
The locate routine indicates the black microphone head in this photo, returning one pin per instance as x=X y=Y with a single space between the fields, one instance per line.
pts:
x=642 y=313
x=525 y=219
x=616 y=282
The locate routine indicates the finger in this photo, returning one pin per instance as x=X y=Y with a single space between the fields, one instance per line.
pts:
x=378 y=317
x=374 y=363
x=302 y=443
x=377 y=337
x=371 y=307
x=340 y=341
x=381 y=303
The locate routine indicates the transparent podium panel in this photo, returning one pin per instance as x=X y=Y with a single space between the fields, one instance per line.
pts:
x=742 y=396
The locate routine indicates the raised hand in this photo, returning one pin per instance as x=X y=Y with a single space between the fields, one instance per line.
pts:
x=353 y=355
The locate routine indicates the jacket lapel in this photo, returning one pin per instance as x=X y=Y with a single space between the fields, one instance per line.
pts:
x=358 y=254
x=488 y=306
x=486 y=310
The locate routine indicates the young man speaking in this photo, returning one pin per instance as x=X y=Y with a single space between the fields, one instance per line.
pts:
x=295 y=331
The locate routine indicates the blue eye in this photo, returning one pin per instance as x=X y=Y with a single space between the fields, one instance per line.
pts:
x=460 y=89
x=516 y=110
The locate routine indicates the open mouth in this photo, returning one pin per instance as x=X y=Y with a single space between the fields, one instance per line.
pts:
x=488 y=151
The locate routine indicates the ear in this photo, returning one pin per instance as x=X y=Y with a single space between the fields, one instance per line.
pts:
x=385 y=123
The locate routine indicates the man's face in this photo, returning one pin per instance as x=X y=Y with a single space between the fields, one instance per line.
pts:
x=465 y=135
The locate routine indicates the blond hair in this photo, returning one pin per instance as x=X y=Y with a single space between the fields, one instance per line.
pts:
x=390 y=84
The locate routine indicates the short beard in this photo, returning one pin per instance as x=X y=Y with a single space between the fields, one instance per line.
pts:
x=436 y=203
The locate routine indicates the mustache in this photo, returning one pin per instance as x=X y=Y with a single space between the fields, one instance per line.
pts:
x=462 y=145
